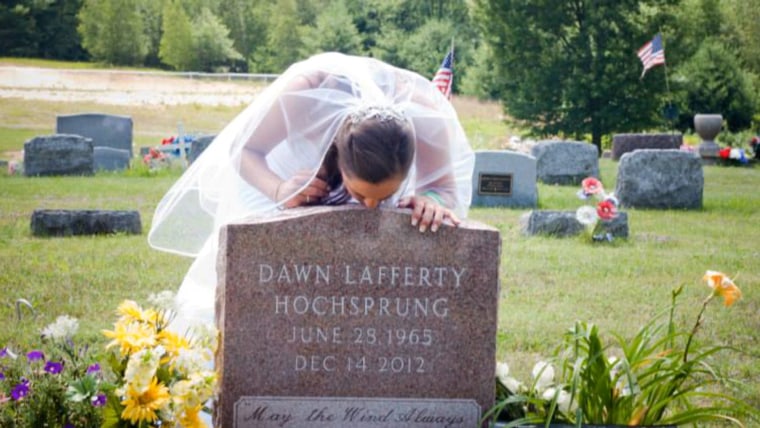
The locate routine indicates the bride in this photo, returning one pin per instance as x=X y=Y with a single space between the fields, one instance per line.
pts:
x=333 y=129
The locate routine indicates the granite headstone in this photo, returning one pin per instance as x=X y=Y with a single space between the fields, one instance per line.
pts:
x=565 y=162
x=85 y=222
x=660 y=179
x=624 y=143
x=348 y=317
x=198 y=146
x=110 y=159
x=58 y=154
x=105 y=130
x=503 y=178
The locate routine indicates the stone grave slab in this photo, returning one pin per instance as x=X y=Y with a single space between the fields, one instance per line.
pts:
x=624 y=143
x=105 y=130
x=109 y=159
x=565 y=162
x=564 y=223
x=660 y=179
x=346 y=317
x=198 y=146
x=58 y=154
x=503 y=178
x=85 y=222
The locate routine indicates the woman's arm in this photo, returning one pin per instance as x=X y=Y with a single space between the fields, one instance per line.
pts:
x=271 y=131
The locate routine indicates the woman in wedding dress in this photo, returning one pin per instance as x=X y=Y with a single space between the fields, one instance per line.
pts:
x=333 y=129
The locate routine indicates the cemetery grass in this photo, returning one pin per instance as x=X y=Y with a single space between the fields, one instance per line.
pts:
x=546 y=283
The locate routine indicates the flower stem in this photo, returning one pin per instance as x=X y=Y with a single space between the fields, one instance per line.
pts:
x=696 y=326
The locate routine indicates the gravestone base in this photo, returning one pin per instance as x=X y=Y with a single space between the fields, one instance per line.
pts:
x=350 y=317
x=564 y=223
x=84 y=222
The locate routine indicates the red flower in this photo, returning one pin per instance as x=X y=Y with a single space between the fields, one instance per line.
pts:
x=606 y=209
x=591 y=186
x=724 y=153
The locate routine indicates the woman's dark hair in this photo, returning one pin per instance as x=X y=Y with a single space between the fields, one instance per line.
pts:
x=375 y=147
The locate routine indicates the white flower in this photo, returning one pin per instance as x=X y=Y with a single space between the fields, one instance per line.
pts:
x=142 y=366
x=586 y=215
x=190 y=361
x=543 y=373
x=513 y=384
x=63 y=328
x=162 y=300
x=502 y=371
x=563 y=398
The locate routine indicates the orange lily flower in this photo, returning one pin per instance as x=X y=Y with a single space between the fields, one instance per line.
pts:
x=723 y=286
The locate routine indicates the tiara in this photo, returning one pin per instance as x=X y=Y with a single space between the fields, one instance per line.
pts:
x=382 y=113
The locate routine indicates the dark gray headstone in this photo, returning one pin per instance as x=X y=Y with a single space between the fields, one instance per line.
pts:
x=109 y=159
x=84 y=222
x=661 y=179
x=564 y=223
x=504 y=179
x=198 y=145
x=349 y=317
x=624 y=143
x=58 y=154
x=105 y=130
x=565 y=162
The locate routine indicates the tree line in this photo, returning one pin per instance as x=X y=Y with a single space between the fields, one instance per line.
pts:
x=564 y=68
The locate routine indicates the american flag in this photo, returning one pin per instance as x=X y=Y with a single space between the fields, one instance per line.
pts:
x=652 y=53
x=444 y=77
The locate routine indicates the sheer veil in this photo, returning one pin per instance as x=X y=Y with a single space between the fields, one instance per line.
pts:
x=297 y=117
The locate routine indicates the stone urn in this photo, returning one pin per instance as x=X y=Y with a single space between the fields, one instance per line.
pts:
x=707 y=127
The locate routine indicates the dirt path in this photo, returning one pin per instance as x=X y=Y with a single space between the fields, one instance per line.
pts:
x=123 y=87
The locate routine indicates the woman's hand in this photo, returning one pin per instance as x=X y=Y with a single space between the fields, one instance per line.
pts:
x=427 y=213
x=309 y=195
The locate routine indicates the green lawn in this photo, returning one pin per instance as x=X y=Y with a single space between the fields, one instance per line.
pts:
x=546 y=283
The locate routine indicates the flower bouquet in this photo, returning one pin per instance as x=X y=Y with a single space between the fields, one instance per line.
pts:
x=599 y=218
x=57 y=384
x=660 y=376
x=161 y=378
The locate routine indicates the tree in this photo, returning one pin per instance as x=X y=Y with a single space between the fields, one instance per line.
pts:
x=112 y=31
x=176 y=46
x=334 y=31
x=571 y=67
x=284 y=43
x=211 y=42
x=713 y=81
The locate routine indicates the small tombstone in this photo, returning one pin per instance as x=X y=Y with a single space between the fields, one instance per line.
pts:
x=661 y=179
x=84 y=222
x=58 y=154
x=348 y=317
x=565 y=162
x=564 y=223
x=109 y=159
x=105 y=130
x=198 y=145
x=504 y=179
x=624 y=143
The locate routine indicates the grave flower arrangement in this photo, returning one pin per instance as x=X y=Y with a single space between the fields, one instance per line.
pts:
x=56 y=384
x=597 y=219
x=660 y=376
x=161 y=378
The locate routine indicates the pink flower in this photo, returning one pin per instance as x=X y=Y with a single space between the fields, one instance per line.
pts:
x=606 y=209
x=592 y=186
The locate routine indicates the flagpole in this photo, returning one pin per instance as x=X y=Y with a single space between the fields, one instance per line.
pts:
x=667 y=86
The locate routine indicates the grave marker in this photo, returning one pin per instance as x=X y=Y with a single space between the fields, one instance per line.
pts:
x=349 y=317
x=504 y=179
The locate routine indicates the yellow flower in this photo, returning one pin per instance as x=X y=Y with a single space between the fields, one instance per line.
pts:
x=130 y=337
x=172 y=343
x=190 y=418
x=723 y=286
x=142 y=407
x=131 y=311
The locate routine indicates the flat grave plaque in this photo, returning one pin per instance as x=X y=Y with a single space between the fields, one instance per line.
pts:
x=495 y=184
x=349 y=305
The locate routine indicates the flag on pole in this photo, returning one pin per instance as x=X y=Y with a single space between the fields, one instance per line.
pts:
x=652 y=53
x=444 y=77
